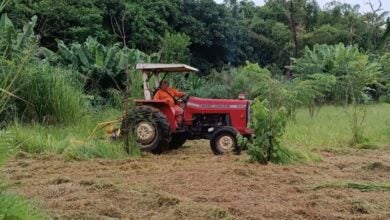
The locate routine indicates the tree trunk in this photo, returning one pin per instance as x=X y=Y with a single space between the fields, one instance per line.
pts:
x=293 y=29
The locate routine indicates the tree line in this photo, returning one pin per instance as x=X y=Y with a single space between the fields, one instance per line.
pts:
x=216 y=34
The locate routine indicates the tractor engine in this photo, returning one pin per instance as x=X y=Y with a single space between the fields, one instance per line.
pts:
x=203 y=116
x=204 y=124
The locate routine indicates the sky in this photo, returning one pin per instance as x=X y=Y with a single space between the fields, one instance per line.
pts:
x=363 y=6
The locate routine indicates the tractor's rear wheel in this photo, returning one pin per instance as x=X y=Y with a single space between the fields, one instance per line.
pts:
x=177 y=140
x=149 y=127
x=224 y=141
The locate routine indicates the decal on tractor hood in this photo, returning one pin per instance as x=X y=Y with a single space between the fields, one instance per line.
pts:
x=217 y=106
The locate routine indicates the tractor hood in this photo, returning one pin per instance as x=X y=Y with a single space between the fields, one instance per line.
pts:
x=216 y=104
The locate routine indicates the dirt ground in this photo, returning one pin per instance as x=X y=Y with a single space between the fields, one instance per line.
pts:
x=191 y=183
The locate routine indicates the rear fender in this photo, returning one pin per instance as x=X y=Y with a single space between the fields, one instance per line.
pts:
x=164 y=107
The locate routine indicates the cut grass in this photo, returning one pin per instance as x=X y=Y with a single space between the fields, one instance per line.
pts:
x=330 y=129
x=364 y=187
x=286 y=155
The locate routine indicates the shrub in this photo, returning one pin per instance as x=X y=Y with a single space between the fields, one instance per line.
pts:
x=269 y=125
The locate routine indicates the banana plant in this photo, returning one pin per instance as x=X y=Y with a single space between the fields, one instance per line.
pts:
x=12 y=42
x=102 y=67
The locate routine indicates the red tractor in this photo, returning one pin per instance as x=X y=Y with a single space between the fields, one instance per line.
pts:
x=156 y=129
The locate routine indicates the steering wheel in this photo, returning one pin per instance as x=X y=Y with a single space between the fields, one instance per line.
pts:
x=186 y=97
x=182 y=102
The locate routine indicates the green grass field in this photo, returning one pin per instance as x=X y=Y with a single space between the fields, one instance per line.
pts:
x=330 y=129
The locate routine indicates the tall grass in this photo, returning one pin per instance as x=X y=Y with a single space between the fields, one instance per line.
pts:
x=69 y=141
x=38 y=92
x=331 y=128
x=10 y=77
x=51 y=95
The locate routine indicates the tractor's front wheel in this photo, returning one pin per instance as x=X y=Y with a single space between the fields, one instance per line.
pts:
x=149 y=127
x=224 y=141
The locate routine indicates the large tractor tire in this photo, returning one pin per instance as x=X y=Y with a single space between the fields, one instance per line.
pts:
x=177 y=140
x=224 y=141
x=150 y=127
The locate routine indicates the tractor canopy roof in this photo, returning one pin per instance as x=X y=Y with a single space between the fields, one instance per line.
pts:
x=160 y=67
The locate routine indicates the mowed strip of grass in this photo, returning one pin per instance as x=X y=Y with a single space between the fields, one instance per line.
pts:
x=331 y=128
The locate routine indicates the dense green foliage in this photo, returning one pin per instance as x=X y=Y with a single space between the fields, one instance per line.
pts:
x=234 y=32
x=102 y=68
x=384 y=90
x=356 y=75
x=32 y=90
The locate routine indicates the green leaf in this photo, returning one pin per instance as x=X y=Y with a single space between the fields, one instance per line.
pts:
x=28 y=32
